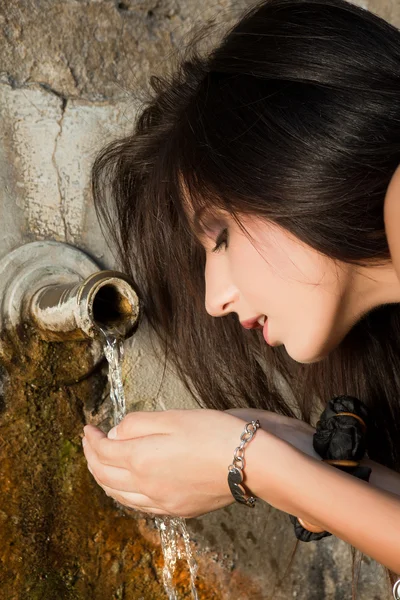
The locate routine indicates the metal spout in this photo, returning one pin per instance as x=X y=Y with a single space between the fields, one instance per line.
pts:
x=105 y=300
x=61 y=292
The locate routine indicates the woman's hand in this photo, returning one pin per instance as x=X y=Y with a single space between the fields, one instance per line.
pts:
x=171 y=462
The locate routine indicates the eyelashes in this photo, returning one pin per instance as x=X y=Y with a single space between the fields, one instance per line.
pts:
x=222 y=240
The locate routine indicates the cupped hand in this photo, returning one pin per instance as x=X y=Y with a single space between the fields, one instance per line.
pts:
x=172 y=462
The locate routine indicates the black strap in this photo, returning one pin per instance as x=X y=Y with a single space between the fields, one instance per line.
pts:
x=339 y=438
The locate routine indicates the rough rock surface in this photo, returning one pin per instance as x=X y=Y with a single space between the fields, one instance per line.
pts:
x=71 y=74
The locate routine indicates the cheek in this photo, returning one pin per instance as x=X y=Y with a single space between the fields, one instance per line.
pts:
x=262 y=284
x=244 y=268
x=297 y=290
x=313 y=328
x=267 y=273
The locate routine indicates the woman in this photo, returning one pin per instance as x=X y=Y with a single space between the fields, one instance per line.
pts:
x=263 y=180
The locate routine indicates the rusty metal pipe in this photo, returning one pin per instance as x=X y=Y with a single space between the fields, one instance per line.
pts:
x=60 y=290
x=105 y=299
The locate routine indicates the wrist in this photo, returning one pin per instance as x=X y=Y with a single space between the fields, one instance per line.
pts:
x=268 y=464
x=236 y=475
x=266 y=478
x=265 y=453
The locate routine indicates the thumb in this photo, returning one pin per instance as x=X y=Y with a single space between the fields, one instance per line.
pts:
x=141 y=424
x=93 y=433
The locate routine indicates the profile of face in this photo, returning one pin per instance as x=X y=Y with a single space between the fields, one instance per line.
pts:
x=311 y=301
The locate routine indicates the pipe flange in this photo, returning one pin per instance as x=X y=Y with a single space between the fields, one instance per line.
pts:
x=30 y=267
x=60 y=290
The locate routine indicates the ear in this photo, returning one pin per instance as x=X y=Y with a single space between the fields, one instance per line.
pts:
x=392 y=219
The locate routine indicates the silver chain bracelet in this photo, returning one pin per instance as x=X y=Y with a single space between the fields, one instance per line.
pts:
x=235 y=469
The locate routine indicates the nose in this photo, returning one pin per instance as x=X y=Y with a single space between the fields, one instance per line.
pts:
x=221 y=294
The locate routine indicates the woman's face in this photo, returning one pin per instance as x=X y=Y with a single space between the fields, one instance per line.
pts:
x=311 y=301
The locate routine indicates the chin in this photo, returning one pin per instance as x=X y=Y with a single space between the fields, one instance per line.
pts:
x=308 y=356
x=308 y=361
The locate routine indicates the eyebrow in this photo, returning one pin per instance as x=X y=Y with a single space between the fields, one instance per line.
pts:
x=201 y=222
x=197 y=222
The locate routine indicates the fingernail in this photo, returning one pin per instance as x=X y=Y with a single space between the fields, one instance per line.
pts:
x=112 y=434
x=84 y=442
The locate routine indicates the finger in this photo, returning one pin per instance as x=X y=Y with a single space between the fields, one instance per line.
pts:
x=94 y=468
x=132 y=500
x=113 y=477
x=109 y=452
x=140 y=424
x=135 y=501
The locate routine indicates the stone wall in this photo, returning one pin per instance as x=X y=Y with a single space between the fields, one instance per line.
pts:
x=71 y=72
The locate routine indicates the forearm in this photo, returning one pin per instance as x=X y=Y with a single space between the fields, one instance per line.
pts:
x=382 y=477
x=300 y=435
x=351 y=509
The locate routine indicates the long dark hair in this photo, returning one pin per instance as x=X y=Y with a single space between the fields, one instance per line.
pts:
x=294 y=117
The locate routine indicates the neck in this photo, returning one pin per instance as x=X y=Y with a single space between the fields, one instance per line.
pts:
x=392 y=220
x=373 y=287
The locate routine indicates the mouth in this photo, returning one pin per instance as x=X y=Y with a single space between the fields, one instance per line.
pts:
x=255 y=323
x=260 y=322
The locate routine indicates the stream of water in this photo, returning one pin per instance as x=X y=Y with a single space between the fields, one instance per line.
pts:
x=175 y=541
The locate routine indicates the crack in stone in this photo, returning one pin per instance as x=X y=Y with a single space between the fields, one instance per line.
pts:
x=58 y=175
x=8 y=79
x=64 y=228
x=51 y=90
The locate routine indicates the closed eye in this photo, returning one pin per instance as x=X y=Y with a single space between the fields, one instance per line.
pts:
x=222 y=240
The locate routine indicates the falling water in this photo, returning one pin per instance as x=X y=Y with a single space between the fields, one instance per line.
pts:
x=169 y=527
x=113 y=346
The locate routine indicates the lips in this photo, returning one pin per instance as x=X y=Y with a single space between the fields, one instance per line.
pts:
x=252 y=323
x=255 y=324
